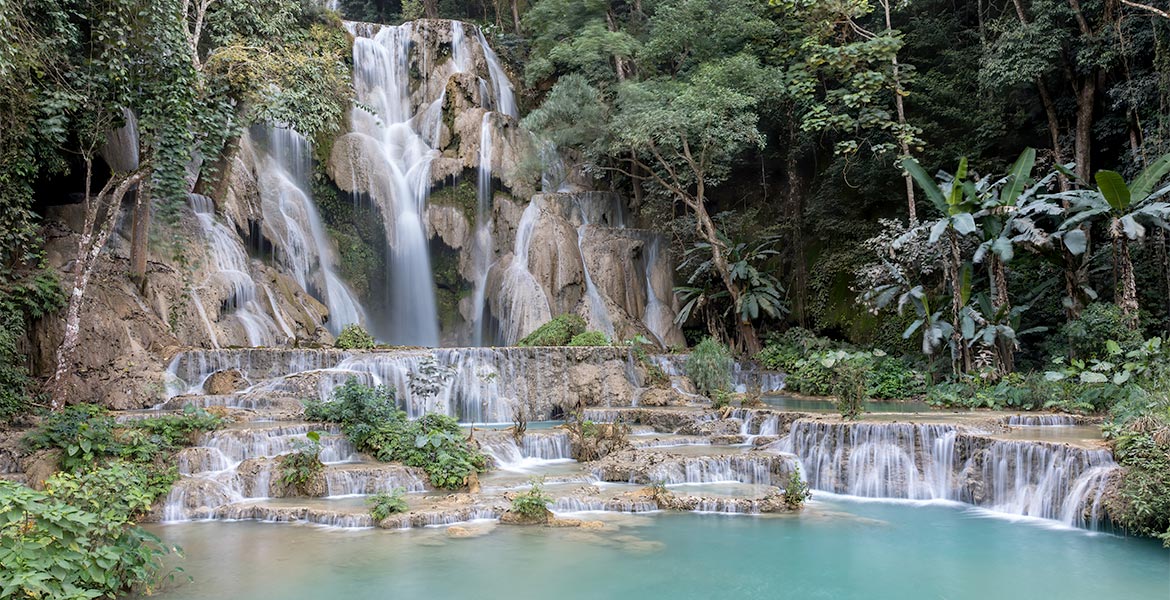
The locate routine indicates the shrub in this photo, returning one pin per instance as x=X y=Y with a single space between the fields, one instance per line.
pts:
x=783 y=351
x=1099 y=323
x=850 y=381
x=369 y=418
x=77 y=539
x=709 y=367
x=589 y=338
x=300 y=467
x=1142 y=505
x=533 y=503
x=384 y=504
x=32 y=297
x=354 y=337
x=720 y=399
x=893 y=379
x=557 y=332
x=796 y=492
x=810 y=377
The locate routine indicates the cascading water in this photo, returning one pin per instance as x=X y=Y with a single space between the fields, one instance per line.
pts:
x=483 y=228
x=302 y=242
x=382 y=83
x=231 y=270
x=504 y=99
x=941 y=462
x=599 y=314
x=658 y=317
x=523 y=304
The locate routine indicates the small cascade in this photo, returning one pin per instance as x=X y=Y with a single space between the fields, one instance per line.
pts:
x=504 y=98
x=757 y=422
x=231 y=271
x=1041 y=421
x=535 y=450
x=302 y=243
x=189 y=369
x=942 y=462
x=553 y=176
x=524 y=305
x=231 y=466
x=571 y=504
x=762 y=468
x=743 y=375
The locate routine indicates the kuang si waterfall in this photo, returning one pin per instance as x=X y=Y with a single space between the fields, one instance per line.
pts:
x=593 y=300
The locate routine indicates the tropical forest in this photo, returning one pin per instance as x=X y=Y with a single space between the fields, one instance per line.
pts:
x=585 y=299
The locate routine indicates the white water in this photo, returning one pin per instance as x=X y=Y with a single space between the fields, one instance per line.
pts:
x=231 y=272
x=483 y=229
x=938 y=462
x=302 y=243
x=523 y=305
x=401 y=178
x=537 y=449
x=591 y=212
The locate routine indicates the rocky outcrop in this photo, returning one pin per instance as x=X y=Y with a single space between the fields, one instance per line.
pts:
x=643 y=466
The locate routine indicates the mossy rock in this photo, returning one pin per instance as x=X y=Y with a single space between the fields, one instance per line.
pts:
x=557 y=332
x=590 y=338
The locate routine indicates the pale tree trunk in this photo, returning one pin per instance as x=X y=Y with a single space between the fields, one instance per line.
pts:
x=793 y=217
x=431 y=9
x=911 y=209
x=89 y=248
x=516 y=16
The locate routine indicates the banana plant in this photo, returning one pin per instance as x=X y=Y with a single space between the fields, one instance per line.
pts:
x=1128 y=208
x=956 y=198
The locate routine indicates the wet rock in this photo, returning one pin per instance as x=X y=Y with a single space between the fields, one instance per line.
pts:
x=224 y=382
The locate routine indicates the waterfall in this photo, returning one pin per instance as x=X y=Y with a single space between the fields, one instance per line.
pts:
x=483 y=228
x=658 y=316
x=592 y=213
x=230 y=269
x=303 y=245
x=505 y=100
x=401 y=180
x=523 y=303
x=941 y=462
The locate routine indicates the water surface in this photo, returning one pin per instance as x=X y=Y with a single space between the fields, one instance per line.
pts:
x=835 y=549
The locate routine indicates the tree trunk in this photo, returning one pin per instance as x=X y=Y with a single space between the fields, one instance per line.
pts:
x=911 y=209
x=1126 y=291
x=140 y=236
x=1001 y=302
x=89 y=249
x=960 y=357
x=516 y=15
x=431 y=9
x=1084 y=131
x=1164 y=273
x=792 y=217
x=710 y=234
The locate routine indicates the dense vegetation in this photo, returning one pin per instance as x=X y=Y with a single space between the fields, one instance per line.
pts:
x=370 y=418
x=78 y=538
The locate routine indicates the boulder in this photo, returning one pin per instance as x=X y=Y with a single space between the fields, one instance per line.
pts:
x=221 y=383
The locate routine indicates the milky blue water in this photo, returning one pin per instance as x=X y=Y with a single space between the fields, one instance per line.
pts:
x=836 y=549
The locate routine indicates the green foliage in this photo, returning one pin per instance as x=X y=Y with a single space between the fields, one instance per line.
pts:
x=303 y=465
x=533 y=503
x=720 y=399
x=1143 y=505
x=77 y=539
x=894 y=379
x=709 y=367
x=590 y=338
x=557 y=332
x=354 y=337
x=89 y=439
x=783 y=351
x=849 y=380
x=31 y=298
x=1098 y=324
x=796 y=491
x=384 y=504
x=370 y=419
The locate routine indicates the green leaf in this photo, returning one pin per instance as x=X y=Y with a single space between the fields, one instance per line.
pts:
x=927 y=183
x=1018 y=177
x=1076 y=242
x=1113 y=188
x=1150 y=177
x=964 y=223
